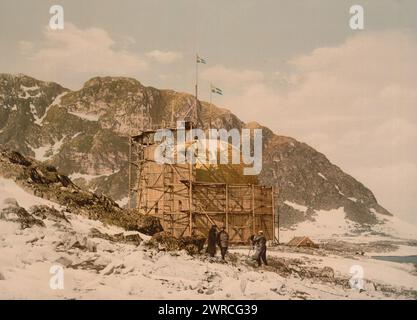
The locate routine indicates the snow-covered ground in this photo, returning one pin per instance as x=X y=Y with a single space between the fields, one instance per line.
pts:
x=332 y=224
x=30 y=258
x=9 y=189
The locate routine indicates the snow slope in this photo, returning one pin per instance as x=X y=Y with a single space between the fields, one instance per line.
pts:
x=333 y=224
x=9 y=189
x=124 y=271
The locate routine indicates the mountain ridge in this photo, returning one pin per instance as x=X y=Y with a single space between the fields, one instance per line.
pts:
x=83 y=133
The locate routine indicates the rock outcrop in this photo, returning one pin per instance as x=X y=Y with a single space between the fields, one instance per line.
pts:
x=46 y=182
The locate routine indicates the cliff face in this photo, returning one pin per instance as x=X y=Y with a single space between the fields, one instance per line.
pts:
x=84 y=134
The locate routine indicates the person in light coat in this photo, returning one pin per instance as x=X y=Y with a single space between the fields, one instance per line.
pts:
x=259 y=243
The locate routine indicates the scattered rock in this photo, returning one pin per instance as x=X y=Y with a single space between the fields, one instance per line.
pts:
x=369 y=286
x=76 y=241
x=112 y=268
x=45 y=212
x=108 y=270
x=164 y=241
x=2 y=277
x=15 y=213
x=119 y=237
x=8 y=202
x=89 y=264
x=327 y=272
x=16 y=157
x=64 y=261
x=209 y=292
x=193 y=244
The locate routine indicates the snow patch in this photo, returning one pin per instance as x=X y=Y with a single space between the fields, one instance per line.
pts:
x=57 y=101
x=321 y=175
x=9 y=189
x=34 y=113
x=86 y=177
x=85 y=116
x=28 y=92
x=123 y=202
x=44 y=153
x=296 y=206
x=338 y=190
x=32 y=88
x=327 y=224
x=334 y=224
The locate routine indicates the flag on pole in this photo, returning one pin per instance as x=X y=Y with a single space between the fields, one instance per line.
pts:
x=216 y=90
x=201 y=60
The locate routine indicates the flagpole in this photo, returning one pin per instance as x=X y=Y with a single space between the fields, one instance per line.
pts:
x=196 y=85
x=210 y=106
x=211 y=86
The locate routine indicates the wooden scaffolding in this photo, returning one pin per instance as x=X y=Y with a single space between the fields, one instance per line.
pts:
x=186 y=206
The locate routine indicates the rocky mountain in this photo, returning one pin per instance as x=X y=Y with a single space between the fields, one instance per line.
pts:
x=46 y=182
x=84 y=134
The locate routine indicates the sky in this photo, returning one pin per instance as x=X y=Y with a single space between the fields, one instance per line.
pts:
x=294 y=66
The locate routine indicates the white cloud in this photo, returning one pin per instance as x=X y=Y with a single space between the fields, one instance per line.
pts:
x=230 y=78
x=73 y=55
x=355 y=102
x=164 y=56
x=26 y=47
x=400 y=183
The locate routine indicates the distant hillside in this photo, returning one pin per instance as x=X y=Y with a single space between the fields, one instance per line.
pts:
x=83 y=133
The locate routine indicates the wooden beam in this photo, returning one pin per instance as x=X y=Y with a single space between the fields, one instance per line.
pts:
x=253 y=210
x=227 y=208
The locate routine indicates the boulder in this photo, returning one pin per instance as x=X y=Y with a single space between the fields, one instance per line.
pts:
x=135 y=221
x=16 y=157
x=327 y=272
x=46 y=212
x=15 y=213
x=64 y=261
x=166 y=241
x=10 y=202
x=196 y=241
x=75 y=241
x=119 y=237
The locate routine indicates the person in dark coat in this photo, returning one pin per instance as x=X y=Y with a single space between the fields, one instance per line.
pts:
x=223 y=241
x=211 y=241
x=259 y=243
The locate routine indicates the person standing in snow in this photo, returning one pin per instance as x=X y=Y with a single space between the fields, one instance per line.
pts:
x=223 y=241
x=211 y=241
x=259 y=243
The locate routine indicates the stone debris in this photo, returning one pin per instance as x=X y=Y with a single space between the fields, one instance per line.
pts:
x=119 y=237
x=64 y=261
x=164 y=241
x=13 y=212
x=45 y=212
x=74 y=241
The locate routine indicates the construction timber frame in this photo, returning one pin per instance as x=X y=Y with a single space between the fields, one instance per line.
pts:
x=186 y=206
